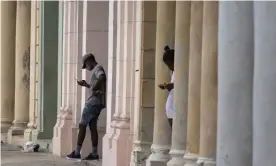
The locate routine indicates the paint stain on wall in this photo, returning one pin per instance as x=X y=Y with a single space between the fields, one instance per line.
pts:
x=26 y=68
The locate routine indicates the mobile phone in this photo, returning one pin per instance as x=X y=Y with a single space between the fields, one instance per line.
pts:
x=77 y=80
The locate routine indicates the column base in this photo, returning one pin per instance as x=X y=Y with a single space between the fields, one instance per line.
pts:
x=5 y=126
x=140 y=153
x=28 y=134
x=118 y=156
x=4 y=137
x=15 y=139
x=159 y=156
x=18 y=127
x=190 y=159
x=16 y=132
x=176 y=158
x=122 y=138
x=4 y=131
x=62 y=136
x=202 y=161
x=107 y=145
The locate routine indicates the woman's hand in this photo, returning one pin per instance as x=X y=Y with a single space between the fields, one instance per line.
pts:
x=162 y=86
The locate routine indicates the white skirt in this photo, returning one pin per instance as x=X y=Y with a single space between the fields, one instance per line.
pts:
x=169 y=105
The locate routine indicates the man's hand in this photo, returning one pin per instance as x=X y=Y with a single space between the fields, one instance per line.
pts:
x=83 y=83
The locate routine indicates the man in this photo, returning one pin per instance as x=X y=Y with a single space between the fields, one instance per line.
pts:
x=93 y=106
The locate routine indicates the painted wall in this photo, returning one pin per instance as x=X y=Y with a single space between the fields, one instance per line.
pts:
x=48 y=67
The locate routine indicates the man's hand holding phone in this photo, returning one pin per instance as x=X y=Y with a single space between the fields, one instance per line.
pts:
x=82 y=83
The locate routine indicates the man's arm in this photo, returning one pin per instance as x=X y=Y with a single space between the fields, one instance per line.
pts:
x=100 y=81
x=87 y=85
x=83 y=83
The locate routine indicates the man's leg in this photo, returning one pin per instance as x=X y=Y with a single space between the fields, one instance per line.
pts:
x=94 y=136
x=85 y=119
x=81 y=137
x=94 y=132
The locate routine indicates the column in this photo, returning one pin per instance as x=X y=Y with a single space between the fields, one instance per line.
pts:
x=181 y=76
x=111 y=77
x=125 y=77
x=209 y=85
x=111 y=153
x=130 y=41
x=165 y=29
x=235 y=83
x=143 y=115
x=33 y=71
x=62 y=129
x=193 y=126
x=264 y=105
x=7 y=69
x=66 y=128
x=77 y=45
x=22 y=68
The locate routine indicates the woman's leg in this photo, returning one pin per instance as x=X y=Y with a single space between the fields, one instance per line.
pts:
x=170 y=121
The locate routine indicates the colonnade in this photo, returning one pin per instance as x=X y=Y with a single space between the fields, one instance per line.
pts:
x=223 y=83
x=27 y=59
x=15 y=66
x=190 y=28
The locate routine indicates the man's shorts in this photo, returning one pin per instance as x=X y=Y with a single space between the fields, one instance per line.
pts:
x=90 y=114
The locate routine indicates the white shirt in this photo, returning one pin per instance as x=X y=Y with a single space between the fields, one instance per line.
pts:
x=169 y=103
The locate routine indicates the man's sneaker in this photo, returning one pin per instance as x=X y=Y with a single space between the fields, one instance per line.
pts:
x=92 y=157
x=73 y=156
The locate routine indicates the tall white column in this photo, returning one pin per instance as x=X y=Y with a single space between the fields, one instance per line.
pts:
x=111 y=77
x=119 y=58
x=165 y=29
x=7 y=69
x=181 y=76
x=209 y=85
x=193 y=120
x=124 y=85
x=264 y=104
x=128 y=62
x=235 y=83
x=62 y=134
x=119 y=127
x=22 y=67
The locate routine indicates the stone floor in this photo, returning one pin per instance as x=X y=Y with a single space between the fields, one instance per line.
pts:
x=12 y=156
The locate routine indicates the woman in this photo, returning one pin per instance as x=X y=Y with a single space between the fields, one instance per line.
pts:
x=168 y=58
